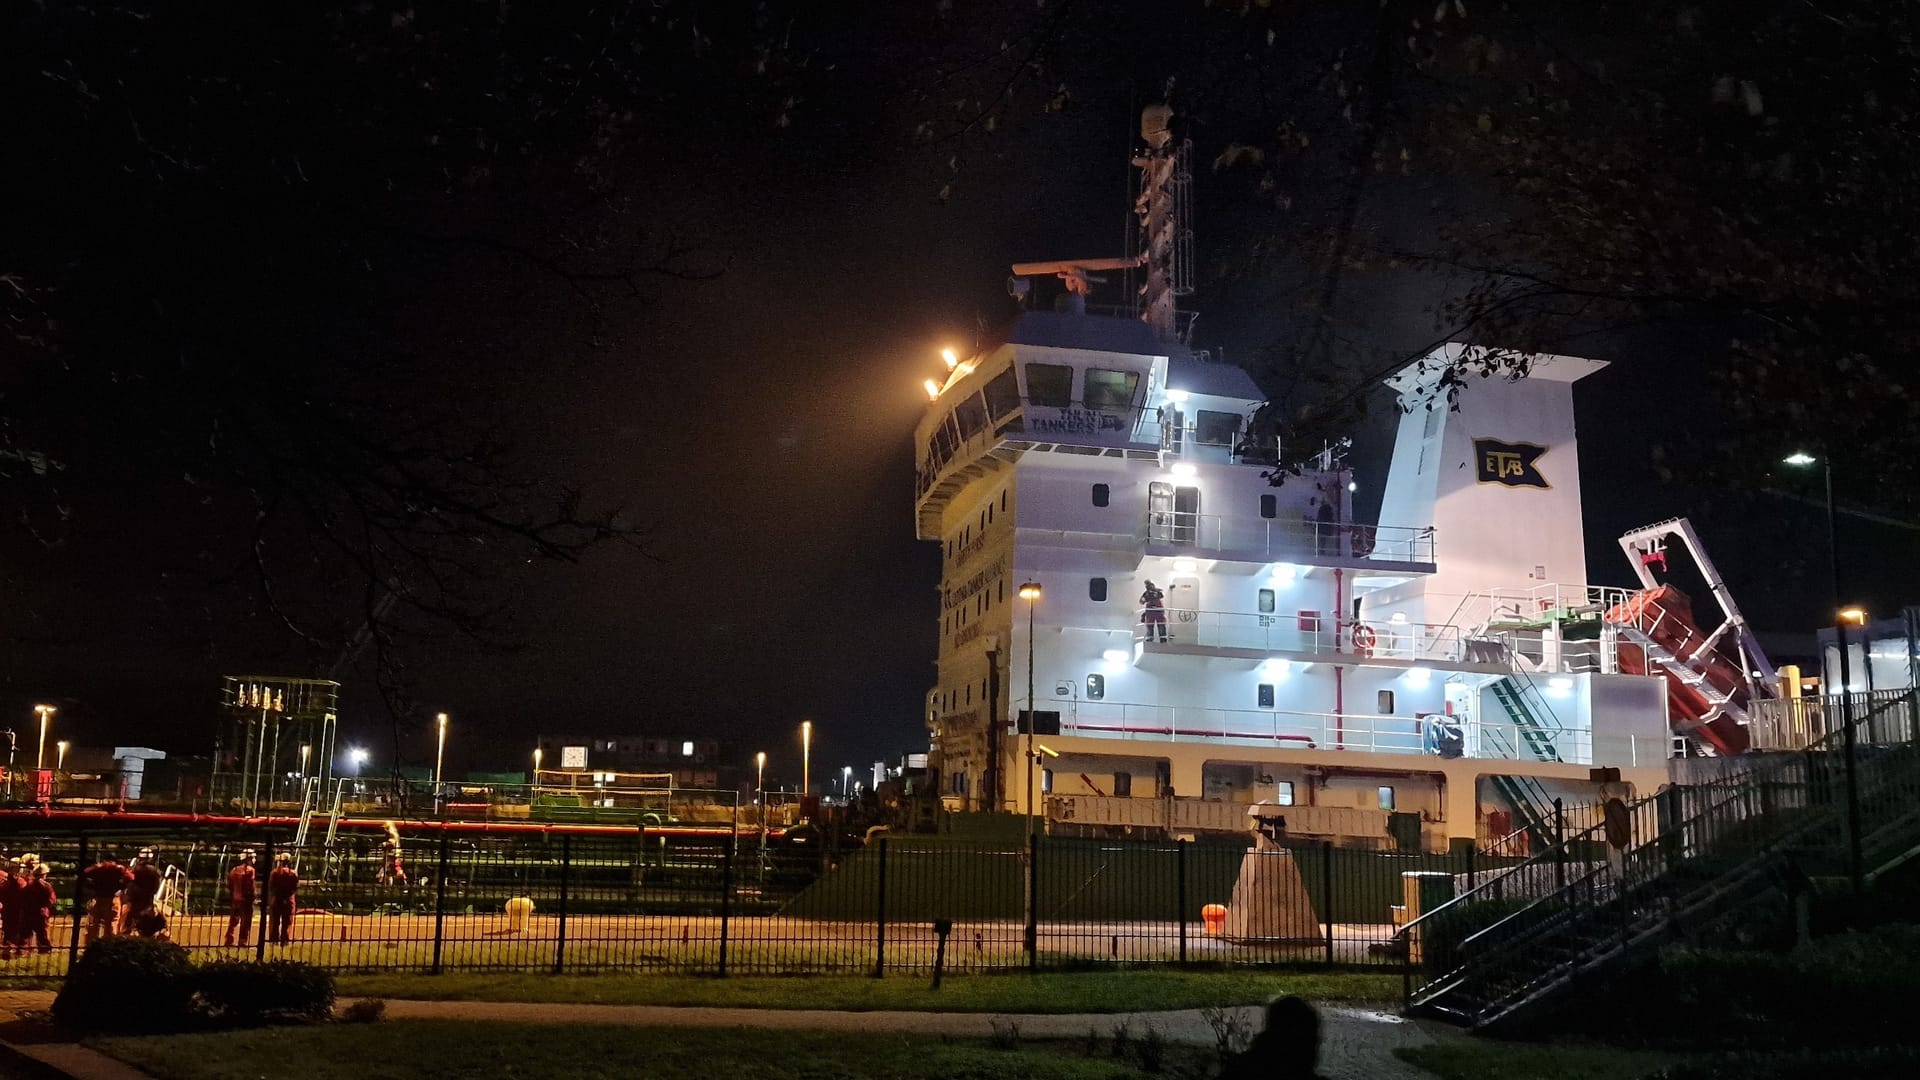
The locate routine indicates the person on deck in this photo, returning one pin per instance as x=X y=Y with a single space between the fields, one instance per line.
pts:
x=104 y=880
x=1153 y=611
x=282 y=884
x=240 y=881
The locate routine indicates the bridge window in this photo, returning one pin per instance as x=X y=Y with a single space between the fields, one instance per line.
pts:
x=1050 y=385
x=1097 y=590
x=971 y=415
x=1269 y=506
x=1101 y=493
x=1111 y=390
x=1003 y=396
x=1216 y=428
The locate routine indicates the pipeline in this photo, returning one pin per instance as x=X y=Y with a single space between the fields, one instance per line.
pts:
x=138 y=818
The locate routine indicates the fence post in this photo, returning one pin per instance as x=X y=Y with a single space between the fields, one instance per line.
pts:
x=1033 y=901
x=1180 y=889
x=1326 y=892
x=1559 y=847
x=880 y=917
x=440 y=898
x=726 y=900
x=79 y=905
x=260 y=890
x=566 y=871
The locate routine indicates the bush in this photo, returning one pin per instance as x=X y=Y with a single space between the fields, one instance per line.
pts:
x=238 y=993
x=128 y=984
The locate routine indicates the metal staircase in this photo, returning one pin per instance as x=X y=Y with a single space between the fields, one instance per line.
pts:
x=1694 y=856
x=311 y=800
x=1530 y=801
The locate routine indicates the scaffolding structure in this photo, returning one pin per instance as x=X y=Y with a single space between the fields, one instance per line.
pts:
x=279 y=733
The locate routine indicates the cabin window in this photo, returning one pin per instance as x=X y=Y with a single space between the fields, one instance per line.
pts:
x=1096 y=687
x=1216 y=428
x=1266 y=695
x=1097 y=590
x=971 y=415
x=1386 y=798
x=1123 y=785
x=1101 y=494
x=1383 y=701
x=1002 y=394
x=1269 y=506
x=1050 y=385
x=1046 y=781
x=1111 y=391
x=1283 y=793
x=1266 y=601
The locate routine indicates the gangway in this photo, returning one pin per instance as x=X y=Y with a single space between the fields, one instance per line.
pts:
x=311 y=804
x=1712 y=675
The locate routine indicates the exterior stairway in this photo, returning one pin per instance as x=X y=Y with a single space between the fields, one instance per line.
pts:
x=1695 y=856
x=1530 y=801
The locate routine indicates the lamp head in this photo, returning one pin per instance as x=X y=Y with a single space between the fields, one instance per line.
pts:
x=1799 y=457
x=1854 y=616
x=1030 y=591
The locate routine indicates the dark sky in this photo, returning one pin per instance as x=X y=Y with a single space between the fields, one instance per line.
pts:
x=761 y=424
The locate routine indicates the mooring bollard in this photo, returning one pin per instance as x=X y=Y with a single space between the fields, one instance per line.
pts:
x=942 y=927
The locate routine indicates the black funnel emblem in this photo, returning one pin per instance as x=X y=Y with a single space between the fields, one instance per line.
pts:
x=1509 y=464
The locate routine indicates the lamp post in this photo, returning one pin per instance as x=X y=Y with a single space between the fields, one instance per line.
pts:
x=760 y=790
x=1842 y=616
x=439 y=758
x=306 y=751
x=358 y=755
x=806 y=756
x=846 y=779
x=1030 y=592
x=535 y=785
x=46 y=712
x=61 y=761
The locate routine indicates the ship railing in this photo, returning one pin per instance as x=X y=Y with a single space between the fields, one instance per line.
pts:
x=1880 y=717
x=1283 y=540
x=1300 y=632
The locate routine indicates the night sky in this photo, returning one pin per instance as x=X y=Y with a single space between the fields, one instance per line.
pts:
x=761 y=424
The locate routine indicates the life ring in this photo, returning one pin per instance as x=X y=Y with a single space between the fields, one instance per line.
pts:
x=1364 y=639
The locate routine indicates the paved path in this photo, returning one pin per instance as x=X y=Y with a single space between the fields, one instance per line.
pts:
x=1357 y=1044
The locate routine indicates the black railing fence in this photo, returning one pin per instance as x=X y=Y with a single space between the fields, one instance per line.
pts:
x=633 y=902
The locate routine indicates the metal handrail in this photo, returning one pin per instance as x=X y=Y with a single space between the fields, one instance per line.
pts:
x=1276 y=632
x=1289 y=540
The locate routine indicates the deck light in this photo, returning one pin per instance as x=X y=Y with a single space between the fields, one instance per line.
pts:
x=1178 y=397
x=1185 y=468
x=933 y=390
x=1116 y=656
x=952 y=358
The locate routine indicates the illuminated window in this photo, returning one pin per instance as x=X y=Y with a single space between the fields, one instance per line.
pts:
x=1215 y=428
x=1266 y=695
x=1283 y=793
x=1050 y=385
x=1386 y=798
x=1269 y=506
x=1046 y=781
x=1111 y=390
x=1097 y=590
x=1096 y=687
x=1100 y=494
x=686 y=749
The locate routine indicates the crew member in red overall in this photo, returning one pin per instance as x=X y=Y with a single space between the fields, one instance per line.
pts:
x=104 y=881
x=36 y=903
x=11 y=909
x=240 y=899
x=1153 y=612
x=138 y=899
x=281 y=886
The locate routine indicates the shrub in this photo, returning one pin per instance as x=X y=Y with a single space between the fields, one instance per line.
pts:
x=240 y=993
x=1854 y=1065
x=363 y=1011
x=128 y=984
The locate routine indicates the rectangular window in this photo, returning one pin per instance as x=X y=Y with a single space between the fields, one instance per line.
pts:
x=1383 y=701
x=969 y=693
x=1050 y=385
x=1269 y=506
x=1111 y=391
x=1096 y=687
x=1046 y=781
x=1100 y=494
x=971 y=416
x=1283 y=793
x=1002 y=394
x=1216 y=428
x=1123 y=785
x=1266 y=695
x=686 y=749
x=1266 y=601
x=1386 y=798
x=1003 y=500
x=1097 y=590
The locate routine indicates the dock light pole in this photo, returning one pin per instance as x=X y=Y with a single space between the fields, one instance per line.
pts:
x=61 y=761
x=846 y=779
x=806 y=757
x=439 y=758
x=1030 y=592
x=1842 y=616
x=535 y=785
x=46 y=713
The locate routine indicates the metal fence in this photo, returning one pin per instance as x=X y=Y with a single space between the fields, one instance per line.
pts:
x=575 y=903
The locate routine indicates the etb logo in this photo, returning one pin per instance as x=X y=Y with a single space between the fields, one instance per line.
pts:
x=1508 y=464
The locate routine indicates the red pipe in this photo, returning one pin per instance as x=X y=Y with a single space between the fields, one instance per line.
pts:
x=161 y=817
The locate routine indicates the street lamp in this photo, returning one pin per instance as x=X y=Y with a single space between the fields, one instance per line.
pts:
x=46 y=712
x=358 y=755
x=439 y=757
x=760 y=784
x=846 y=778
x=536 y=769
x=1843 y=616
x=61 y=761
x=306 y=751
x=806 y=755
x=1030 y=592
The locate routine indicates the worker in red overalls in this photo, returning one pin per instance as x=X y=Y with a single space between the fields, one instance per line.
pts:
x=240 y=899
x=104 y=881
x=138 y=899
x=12 y=881
x=35 y=898
x=281 y=886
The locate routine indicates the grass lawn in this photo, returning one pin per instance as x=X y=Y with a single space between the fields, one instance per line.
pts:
x=451 y=1050
x=1488 y=1059
x=1103 y=991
